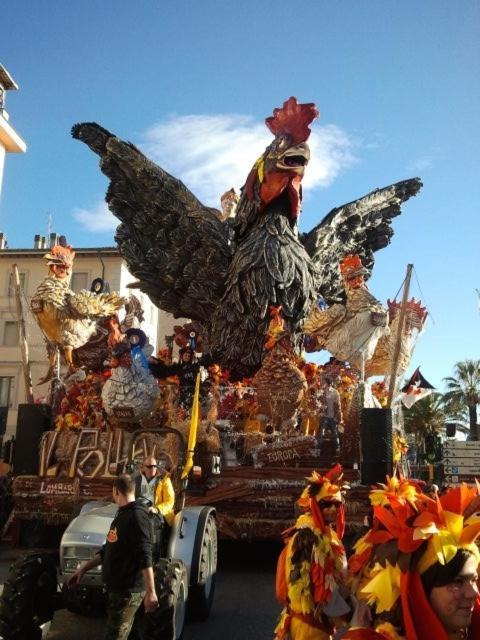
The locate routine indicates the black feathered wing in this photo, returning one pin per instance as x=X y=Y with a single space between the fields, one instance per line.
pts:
x=176 y=247
x=360 y=227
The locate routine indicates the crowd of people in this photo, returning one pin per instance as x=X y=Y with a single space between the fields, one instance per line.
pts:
x=412 y=576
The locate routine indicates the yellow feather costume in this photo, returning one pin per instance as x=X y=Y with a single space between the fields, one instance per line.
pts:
x=313 y=565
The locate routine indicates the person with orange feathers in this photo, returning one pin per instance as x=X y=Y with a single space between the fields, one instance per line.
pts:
x=312 y=566
x=416 y=569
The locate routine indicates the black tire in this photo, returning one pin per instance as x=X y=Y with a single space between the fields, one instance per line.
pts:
x=168 y=621
x=28 y=598
x=204 y=569
x=6 y=500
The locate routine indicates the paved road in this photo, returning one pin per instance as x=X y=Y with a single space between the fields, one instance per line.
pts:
x=244 y=606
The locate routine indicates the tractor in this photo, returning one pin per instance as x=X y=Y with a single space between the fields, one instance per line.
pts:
x=184 y=563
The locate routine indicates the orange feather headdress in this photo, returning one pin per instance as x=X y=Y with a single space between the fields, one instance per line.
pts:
x=325 y=489
x=411 y=532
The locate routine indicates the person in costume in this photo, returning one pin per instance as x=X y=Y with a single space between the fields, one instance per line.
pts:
x=416 y=570
x=312 y=567
x=186 y=370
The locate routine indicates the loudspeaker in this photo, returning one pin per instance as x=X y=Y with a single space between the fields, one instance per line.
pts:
x=451 y=429
x=377 y=447
x=32 y=421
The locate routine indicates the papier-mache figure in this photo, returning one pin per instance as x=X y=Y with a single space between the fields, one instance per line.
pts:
x=67 y=319
x=349 y=331
x=131 y=390
x=415 y=572
x=311 y=570
x=186 y=369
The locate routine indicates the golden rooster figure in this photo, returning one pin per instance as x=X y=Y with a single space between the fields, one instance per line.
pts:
x=67 y=319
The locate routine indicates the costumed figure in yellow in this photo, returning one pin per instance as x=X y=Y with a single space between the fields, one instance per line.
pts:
x=312 y=567
x=415 y=572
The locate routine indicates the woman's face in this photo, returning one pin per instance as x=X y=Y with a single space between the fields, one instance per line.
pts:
x=329 y=512
x=454 y=602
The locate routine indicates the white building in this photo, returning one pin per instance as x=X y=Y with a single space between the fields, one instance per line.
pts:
x=10 y=141
x=89 y=263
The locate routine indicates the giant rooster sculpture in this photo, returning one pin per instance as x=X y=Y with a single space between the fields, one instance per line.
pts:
x=184 y=258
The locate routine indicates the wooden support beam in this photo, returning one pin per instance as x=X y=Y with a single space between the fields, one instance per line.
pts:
x=22 y=336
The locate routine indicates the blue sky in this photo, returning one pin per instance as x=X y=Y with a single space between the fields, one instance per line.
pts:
x=397 y=85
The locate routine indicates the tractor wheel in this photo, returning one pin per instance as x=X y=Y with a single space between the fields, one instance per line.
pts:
x=168 y=621
x=6 y=500
x=28 y=598
x=204 y=570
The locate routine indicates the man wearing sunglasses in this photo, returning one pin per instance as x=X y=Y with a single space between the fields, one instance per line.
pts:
x=154 y=484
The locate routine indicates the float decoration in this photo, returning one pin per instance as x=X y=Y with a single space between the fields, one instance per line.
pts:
x=130 y=392
x=280 y=384
x=380 y=364
x=81 y=407
x=186 y=260
x=350 y=331
x=68 y=320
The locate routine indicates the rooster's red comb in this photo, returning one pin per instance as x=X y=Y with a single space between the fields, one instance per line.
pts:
x=293 y=120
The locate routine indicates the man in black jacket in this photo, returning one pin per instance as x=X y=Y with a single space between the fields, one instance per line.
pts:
x=126 y=560
x=186 y=370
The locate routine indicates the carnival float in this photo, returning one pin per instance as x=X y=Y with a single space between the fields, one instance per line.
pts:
x=260 y=298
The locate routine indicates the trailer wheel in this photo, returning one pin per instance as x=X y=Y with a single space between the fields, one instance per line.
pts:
x=28 y=598
x=168 y=621
x=204 y=570
x=6 y=500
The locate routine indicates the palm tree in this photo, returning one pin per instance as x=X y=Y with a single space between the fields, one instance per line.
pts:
x=425 y=419
x=463 y=391
x=426 y=416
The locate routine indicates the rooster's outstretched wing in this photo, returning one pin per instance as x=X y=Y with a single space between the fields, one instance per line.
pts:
x=176 y=248
x=85 y=304
x=360 y=227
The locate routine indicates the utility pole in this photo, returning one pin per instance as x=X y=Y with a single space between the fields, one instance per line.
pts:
x=22 y=336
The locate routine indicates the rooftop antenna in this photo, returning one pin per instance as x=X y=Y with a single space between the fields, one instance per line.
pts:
x=49 y=223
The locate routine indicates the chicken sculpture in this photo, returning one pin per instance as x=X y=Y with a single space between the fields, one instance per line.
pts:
x=67 y=319
x=349 y=331
x=184 y=256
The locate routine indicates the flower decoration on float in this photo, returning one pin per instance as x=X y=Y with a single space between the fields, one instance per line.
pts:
x=400 y=446
x=276 y=328
x=380 y=391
